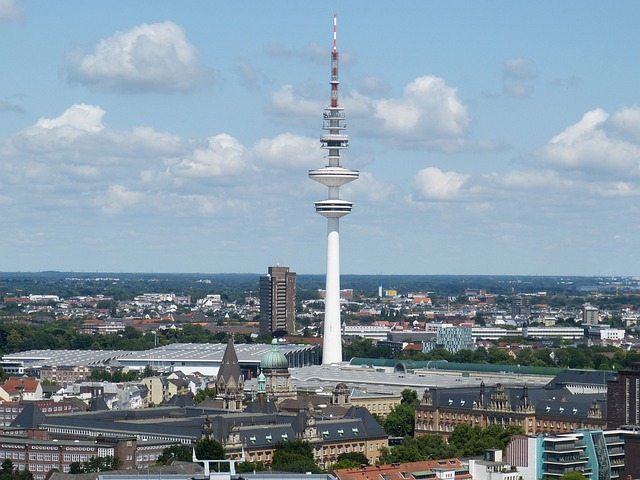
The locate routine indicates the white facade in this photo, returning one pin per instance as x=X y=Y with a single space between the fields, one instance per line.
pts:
x=613 y=334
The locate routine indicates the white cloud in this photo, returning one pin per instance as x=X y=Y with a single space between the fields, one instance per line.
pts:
x=118 y=198
x=598 y=144
x=288 y=101
x=368 y=188
x=287 y=151
x=79 y=135
x=81 y=117
x=9 y=11
x=223 y=156
x=429 y=108
x=433 y=184
x=148 y=58
x=428 y=112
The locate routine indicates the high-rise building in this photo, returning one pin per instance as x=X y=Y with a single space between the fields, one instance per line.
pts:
x=623 y=399
x=521 y=306
x=278 y=300
x=590 y=314
x=333 y=176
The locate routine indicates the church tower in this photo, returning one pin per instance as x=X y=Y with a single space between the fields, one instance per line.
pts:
x=230 y=381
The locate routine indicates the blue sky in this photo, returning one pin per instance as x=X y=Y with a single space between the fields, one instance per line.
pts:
x=157 y=136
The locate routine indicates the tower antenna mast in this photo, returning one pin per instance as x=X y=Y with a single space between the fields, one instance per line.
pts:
x=333 y=176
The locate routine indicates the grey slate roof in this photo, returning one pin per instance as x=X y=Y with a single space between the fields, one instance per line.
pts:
x=582 y=377
x=229 y=368
x=30 y=417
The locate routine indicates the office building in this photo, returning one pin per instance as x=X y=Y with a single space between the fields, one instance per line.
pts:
x=278 y=300
x=454 y=339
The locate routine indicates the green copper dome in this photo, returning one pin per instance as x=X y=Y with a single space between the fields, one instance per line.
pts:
x=275 y=359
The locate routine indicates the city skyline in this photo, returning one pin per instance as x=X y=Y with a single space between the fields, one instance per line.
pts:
x=493 y=138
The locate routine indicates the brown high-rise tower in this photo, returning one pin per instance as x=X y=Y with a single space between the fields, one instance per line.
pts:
x=278 y=300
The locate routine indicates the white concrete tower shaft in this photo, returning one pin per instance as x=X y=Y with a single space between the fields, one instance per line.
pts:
x=333 y=176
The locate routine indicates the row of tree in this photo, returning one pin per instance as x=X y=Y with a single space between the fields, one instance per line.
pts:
x=582 y=356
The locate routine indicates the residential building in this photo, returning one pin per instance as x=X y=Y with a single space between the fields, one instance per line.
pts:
x=278 y=300
x=158 y=388
x=521 y=305
x=597 y=454
x=63 y=374
x=590 y=315
x=21 y=388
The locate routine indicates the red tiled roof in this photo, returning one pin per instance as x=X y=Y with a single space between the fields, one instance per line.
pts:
x=398 y=471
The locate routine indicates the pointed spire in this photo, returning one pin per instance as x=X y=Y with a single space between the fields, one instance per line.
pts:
x=230 y=367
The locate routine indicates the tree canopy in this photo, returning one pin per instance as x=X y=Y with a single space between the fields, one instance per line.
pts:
x=294 y=456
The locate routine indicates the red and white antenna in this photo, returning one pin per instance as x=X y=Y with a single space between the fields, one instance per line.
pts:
x=334 y=66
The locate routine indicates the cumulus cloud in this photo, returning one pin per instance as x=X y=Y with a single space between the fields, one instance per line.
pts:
x=286 y=151
x=433 y=184
x=9 y=11
x=289 y=101
x=118 y=198
x=598 y=144
x=223 y=156
x=148 y=58
x=428 y=112
x=79 y=135
x=517 y=74
x=370 y=189
x=81 y=117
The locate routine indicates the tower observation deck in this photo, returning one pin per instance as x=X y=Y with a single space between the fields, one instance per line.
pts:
x=333 y=176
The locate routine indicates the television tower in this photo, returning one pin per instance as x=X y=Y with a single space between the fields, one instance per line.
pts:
x=333 y=208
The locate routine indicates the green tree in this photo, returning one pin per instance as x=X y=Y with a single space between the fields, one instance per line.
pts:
x=294 y=456
x=350 y=460
x=573 y=475
x=209 y=449
x=405 y=451
x=183 y=453
x=400 y=421
x=433 y=447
